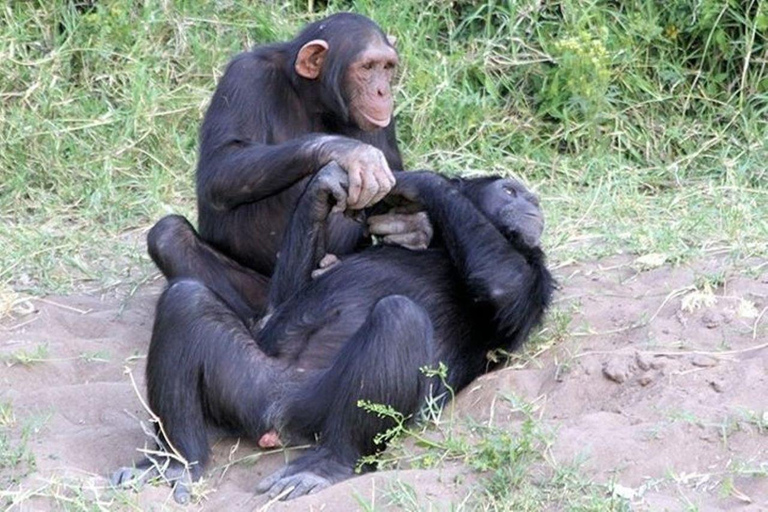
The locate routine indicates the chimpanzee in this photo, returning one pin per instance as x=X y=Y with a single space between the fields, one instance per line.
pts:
x=280 y=112
x=360 y=331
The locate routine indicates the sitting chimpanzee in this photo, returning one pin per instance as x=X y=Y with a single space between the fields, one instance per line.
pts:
x=360 y=331
x=280 y=112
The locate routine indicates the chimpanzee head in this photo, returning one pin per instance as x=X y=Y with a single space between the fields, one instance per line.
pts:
x=353 y=63
x=509 y=205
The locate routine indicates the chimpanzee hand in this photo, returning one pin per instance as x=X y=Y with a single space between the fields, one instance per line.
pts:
x=401 y=226
x=407 y=224
x=410 y=186
x=370 y=178
x=331 y=181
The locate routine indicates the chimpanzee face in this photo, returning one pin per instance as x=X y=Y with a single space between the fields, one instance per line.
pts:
x=367 y=78
x=512 y=208
x=368 y=86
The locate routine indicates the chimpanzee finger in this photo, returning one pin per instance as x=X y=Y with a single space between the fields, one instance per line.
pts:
x=390 y=175
x=132 y=475
x=385 y=181
x=422 y=223
x=307 y=484
x=340 y=196
x=355 y=185
x=385 y=178
x=328 y=260
x=282 y=486
x=414 y=241
x=182 y=492
x=327 y=263
x=392 y=223
x=368 y=190
x=299 y=490
x=382 y=190
x=267 y=483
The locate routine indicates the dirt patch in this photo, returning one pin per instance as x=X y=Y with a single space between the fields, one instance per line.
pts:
x=658 y=387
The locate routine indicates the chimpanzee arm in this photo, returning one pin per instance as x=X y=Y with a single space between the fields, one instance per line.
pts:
x=257 y=140
x=508 y=276
x=243 y=172
x=304 y=244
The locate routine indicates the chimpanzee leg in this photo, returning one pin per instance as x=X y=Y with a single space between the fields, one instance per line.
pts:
x=381 y=364
x=179 y=252
x=203 y=368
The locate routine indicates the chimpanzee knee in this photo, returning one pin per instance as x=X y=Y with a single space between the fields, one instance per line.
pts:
x=398 y=344
x=380 y=364
x=167 y=241
x=397 y=313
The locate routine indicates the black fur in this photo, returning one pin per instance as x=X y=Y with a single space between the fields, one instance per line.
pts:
x=266 y=131
x=360 y=331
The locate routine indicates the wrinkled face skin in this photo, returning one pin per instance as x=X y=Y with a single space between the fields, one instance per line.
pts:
x=512 y=207
x=368 y=86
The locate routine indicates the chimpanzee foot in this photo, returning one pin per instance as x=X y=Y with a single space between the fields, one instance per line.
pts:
x=182 y=490
x=136 y=476
x=292 y=486
x=176 y=474
x=308 y=474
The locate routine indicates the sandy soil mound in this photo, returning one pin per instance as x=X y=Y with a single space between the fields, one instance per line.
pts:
x=659 y=385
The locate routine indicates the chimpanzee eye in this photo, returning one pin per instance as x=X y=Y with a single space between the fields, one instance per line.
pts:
x=368 y=66
x=511 y=192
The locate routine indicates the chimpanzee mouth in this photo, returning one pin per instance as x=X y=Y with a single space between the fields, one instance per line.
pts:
x=518 y=228
x=380 y=122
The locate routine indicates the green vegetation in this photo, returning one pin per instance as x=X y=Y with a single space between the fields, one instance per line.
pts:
x=641 y=123
x=27 y=357
x=518 y=471
x=16 y=459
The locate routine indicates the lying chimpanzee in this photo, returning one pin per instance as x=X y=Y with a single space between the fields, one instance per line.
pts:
x=361 y=331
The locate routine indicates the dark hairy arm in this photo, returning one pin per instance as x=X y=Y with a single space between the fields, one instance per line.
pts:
x=243 y=172
x=506 y=275
x=304 y=244
x=257 y=140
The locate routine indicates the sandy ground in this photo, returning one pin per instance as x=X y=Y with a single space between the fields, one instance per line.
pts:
x=659 y=386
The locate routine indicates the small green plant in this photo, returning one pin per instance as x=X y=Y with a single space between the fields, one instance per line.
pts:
x=28 y=357
x=16 y=458
x=402 y=496
x=7 y=418
x=440 y=393
x=712 y=280
x=756 y=419
x=385 y=411
x=98 y=356
x=576 y=88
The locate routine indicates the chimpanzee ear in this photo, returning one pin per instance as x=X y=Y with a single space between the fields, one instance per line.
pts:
x=310 y=59
x=392 y=40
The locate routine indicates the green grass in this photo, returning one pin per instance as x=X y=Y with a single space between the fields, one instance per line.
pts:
x=642 y=126
x=513 y=466
x=16 y=457
x=25 y=357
